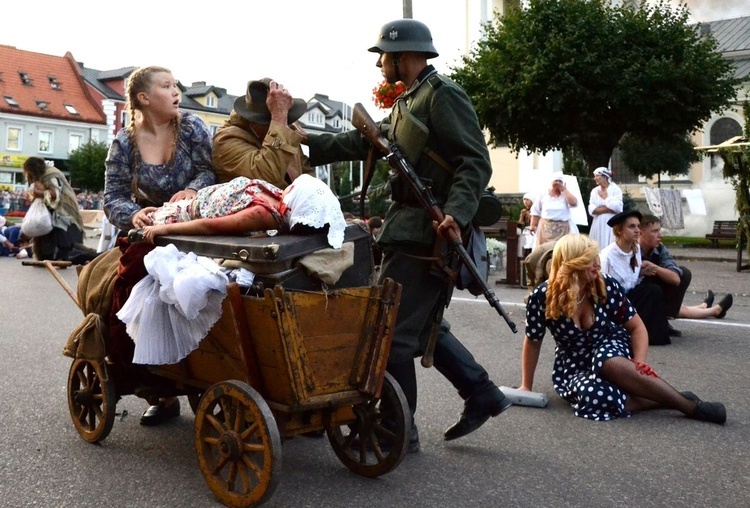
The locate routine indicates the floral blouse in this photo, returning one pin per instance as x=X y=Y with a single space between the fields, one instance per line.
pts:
x=190 y=169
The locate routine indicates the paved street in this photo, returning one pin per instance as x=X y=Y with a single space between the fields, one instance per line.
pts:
x=525 y=457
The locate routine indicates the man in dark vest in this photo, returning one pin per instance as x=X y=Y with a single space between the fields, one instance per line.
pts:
x=437 y=129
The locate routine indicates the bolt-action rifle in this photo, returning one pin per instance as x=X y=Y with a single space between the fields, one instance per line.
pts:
x=364 y=123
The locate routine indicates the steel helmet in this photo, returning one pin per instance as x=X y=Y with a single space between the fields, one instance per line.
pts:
x=405 y=35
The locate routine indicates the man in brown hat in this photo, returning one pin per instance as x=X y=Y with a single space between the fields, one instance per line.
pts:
x=258 y=141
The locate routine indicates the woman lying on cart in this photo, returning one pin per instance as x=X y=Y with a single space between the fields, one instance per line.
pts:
x=243 y=205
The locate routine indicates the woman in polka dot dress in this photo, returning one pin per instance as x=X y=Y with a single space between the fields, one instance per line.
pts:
x=601 y=343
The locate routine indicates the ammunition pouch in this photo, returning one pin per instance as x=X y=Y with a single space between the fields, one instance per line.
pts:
x=410 y=132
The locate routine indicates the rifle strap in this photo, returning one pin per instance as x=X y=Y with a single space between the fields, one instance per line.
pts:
x=369 y=170
x=432 y=154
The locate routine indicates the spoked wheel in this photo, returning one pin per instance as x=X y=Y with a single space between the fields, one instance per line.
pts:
x=376 y=442
x=238 y=444
x=91 y=399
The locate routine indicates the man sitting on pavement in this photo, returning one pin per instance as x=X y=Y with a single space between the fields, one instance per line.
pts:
x=659 y=267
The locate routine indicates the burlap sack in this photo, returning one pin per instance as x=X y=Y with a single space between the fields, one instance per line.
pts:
x=95 y=285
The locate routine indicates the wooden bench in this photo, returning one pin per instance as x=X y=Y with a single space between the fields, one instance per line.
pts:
x=723 y=230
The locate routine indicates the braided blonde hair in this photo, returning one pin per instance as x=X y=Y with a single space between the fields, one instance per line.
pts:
x=572 y=255
x=141 y=80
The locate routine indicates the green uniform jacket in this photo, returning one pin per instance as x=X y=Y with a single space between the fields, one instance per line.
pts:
x=454 y=135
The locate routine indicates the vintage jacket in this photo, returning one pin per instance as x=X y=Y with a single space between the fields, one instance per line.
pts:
x=237 y=151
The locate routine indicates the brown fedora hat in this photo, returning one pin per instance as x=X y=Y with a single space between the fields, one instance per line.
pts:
x=252 y=106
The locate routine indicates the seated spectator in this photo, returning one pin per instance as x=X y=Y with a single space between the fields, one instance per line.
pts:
x=601 y=343
x=659 y=267
x=243 y=205
x=622 y=260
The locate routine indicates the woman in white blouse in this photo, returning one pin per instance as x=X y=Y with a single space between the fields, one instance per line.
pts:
x=550 y=213
x=605 y=201
x=621 y=260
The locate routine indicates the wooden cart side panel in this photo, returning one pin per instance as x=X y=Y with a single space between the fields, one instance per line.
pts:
x=265 y=338
x=311 y=346
x=390 y=298
x=336 y=330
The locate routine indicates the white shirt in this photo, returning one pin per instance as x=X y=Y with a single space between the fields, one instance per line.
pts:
x=616 y=263
x=551 y=208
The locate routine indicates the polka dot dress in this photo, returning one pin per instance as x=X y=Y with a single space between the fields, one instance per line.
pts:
x=580 y=354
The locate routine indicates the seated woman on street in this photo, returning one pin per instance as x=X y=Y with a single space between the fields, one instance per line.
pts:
x=244 y=205
x=622 y=260
x=601 y=344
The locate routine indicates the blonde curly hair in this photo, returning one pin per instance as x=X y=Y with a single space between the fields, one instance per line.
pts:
x=571 y=257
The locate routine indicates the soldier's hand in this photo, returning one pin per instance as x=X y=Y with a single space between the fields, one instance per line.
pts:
x=448 y=224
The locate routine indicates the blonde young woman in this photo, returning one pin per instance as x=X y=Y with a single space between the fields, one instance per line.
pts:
x=601 y=344
x=163 y=155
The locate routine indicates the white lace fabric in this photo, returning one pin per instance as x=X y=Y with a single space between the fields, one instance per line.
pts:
x=312 y=203
x=173 y=308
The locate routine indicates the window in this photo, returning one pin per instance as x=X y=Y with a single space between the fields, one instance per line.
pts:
x=11 y=101
x=54 y=83
x=211 y=101
x=724 y=129
x=14 y=139
x=45 y=141
x=71 y=109
x=213 y=128
x=42 y=105
x=124 y=118
x=75 y=142
x=25 y=79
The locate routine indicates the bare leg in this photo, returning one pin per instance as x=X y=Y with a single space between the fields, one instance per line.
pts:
x=699 y=311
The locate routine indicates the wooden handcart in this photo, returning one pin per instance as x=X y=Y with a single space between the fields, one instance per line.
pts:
x=288 y=356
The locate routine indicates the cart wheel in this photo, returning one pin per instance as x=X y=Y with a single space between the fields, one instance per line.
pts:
x=373 y=445
x=194 y=399
x=91 y=399
x=238 y=444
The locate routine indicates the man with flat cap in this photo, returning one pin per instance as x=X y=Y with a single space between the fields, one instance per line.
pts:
x=258 y=141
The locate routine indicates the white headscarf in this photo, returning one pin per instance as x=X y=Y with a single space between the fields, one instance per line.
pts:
x=605 y=172
x=312 y=203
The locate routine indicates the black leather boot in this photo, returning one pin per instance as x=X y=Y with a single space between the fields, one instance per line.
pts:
x=482 y=397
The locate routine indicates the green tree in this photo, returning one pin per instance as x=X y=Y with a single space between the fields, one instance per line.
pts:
x=580 y=74
x=86 y=166
x=647 y=157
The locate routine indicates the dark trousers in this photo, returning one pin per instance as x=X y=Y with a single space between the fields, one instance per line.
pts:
x=420 y=302
x=57 y=244
x=648 y=300
x=673 y=295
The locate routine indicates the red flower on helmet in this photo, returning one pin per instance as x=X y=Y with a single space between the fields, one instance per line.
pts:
x=385 y=94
